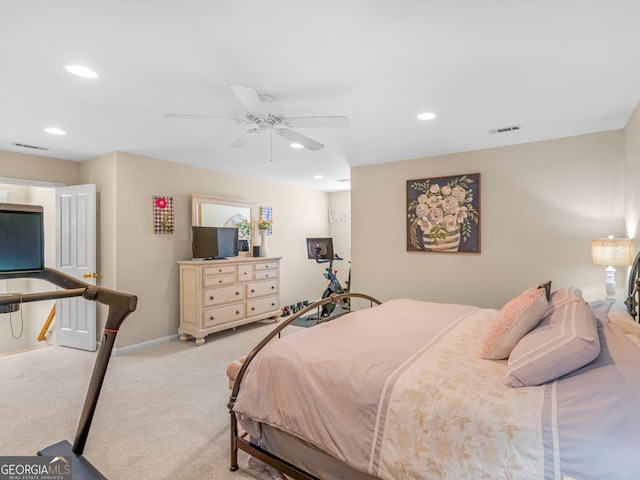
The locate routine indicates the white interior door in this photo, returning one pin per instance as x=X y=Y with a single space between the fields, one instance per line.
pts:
x=76 y=256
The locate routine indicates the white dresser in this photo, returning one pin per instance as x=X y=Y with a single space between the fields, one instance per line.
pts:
x=220 y=294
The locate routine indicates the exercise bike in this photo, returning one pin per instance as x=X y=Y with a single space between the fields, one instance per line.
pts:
x=334 y=285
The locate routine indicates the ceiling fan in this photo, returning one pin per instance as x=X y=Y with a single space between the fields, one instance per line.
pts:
x=267 y=116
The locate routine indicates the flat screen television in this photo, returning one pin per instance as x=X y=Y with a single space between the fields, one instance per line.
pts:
x=325 y=246
x=214 y=242
x=21 y=238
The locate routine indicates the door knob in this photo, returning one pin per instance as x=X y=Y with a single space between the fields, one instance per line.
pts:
x=91 y=275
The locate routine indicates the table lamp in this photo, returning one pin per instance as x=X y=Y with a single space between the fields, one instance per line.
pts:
x=611 y=252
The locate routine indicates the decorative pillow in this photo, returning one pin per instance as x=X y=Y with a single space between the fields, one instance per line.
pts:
x=565 y=340
x=563 y=296
x=514 y=321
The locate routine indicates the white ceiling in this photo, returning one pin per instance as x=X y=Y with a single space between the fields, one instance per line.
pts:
x=556 y=68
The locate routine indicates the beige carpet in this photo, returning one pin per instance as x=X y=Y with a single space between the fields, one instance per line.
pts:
x=161 y=415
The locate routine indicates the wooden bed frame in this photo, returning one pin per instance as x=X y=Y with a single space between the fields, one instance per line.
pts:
x=241 y=440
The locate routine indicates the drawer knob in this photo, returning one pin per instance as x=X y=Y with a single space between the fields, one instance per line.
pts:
x=219 y=281
x=211 y=297
x=237 y=312
x=253 y=308
x=237 y=293
x=253 y=290
x=273 y=287
x=211 y=317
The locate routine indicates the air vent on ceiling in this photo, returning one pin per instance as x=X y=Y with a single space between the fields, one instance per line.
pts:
x=505 y=129
x=344 y=180
x=34 y=147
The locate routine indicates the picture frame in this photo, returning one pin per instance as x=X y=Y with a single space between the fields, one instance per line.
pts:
x=443 y=214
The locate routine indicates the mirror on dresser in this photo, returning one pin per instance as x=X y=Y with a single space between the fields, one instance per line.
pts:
x=210 y=211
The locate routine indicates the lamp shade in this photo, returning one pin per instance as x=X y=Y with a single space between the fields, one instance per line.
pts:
x=611 y=251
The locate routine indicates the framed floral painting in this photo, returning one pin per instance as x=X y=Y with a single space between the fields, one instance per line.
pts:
x=443 y=214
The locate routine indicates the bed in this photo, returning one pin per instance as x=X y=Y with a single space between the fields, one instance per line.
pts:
x=547 y=387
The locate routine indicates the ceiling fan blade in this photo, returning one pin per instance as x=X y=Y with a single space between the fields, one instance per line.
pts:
x=249 y=98
x=303 y=140
x=201 y=117
x=320 y=122
x=243 y=139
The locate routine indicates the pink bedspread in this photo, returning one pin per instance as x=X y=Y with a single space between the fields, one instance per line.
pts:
x=398 y=391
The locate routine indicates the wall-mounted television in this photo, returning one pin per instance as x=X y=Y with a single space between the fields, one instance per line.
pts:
x=214 y=242
x=21 y=238
x=323 y=247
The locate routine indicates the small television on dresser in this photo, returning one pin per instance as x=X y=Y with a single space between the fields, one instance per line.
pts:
x=21 y=238
x=212 y=243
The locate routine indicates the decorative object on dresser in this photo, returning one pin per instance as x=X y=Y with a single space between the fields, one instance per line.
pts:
x=611 y=252
x=217 y=295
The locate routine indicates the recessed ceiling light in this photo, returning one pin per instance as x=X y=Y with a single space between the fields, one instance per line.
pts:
x=318 y=177
x=81 y=71
x=55 y=131
x=426 y=116
x=296 y=145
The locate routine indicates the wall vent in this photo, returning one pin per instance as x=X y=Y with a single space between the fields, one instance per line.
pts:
x=504 y=129
x=34 y=147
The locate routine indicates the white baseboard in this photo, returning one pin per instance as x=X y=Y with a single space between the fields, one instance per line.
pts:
x=142 y=346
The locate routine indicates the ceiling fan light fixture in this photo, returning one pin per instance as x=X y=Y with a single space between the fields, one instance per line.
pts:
x=296 y=145
x=426 y=116
x=81 y=71
x=318 y=177
x=55 y=131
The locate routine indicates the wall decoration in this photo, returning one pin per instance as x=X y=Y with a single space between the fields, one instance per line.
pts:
x=162 y=214
x=443 y=214
x=333 y=218
x=266 y=220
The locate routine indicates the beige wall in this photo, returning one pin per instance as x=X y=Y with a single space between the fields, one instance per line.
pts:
x=541 y=203
x=136 y=260
x=40 y=169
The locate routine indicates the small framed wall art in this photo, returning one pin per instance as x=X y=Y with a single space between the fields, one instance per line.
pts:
x=162 y=214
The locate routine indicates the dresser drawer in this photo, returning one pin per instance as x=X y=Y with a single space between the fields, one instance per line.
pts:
x=262 y=305
x=225 y=314
x=265 y=273
x=260 y=289
x=245 y=273
x=219 y=270
x=265 y=266
x=218 y=280
x=221 y=295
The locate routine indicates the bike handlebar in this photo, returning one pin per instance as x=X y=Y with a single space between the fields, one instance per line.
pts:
x=327 y=260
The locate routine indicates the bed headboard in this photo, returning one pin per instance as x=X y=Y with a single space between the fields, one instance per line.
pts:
x=633 y=292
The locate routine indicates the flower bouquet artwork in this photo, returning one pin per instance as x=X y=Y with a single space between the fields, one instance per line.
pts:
x=443 y=214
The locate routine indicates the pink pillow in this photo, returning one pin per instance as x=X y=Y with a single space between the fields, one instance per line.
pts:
x=519 y=316
x=565 y=340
